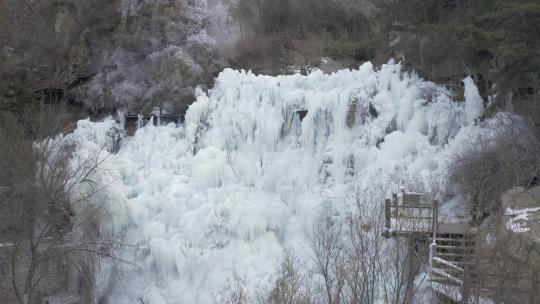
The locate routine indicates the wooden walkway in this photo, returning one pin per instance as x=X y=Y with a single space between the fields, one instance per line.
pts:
x=157 y=119
x=133 y=122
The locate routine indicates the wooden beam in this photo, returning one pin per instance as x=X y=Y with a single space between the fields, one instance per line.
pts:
x=409 y=206
x=387 y=213
x=435 y=213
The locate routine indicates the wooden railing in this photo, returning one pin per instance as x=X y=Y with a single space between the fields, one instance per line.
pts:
x=410 y=218
x=164 y=118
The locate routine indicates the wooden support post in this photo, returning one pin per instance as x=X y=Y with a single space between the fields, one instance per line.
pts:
x=387 y=221
x=413 y=263
x=435 y=217
x=466 y=288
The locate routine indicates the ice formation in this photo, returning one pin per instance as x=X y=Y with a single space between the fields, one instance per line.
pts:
x=217 y=200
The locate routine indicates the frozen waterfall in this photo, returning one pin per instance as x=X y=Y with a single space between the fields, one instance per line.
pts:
x=219 y=199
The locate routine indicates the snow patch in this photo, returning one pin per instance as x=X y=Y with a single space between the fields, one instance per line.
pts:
x=517 y=218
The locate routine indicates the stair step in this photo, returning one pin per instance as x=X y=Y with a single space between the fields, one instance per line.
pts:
x=454 y=247
x=443 y=281
x=457 y=240
x=452 y=254
x=454 y=272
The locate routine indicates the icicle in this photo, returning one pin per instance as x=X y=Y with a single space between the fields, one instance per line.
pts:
x=140 y=121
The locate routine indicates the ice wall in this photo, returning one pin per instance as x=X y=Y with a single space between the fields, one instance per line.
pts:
x=216 y=201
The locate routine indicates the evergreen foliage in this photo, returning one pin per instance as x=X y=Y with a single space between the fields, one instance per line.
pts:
x=504 y=32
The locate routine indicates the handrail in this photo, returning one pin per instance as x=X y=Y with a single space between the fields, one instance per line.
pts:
x=403 y=214
x=446 y=263
x=446 y=275
x=409 y=206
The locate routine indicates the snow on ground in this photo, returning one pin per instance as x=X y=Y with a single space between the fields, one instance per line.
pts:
x=522 y=209
x=218 y=200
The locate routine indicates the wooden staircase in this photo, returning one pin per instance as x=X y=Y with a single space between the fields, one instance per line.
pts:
x=452 y=260
x=452 y=256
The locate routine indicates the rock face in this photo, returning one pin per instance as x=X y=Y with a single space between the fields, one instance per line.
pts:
x=110 y=54
x=157 y=52
x=508 y=258
x=522 y=198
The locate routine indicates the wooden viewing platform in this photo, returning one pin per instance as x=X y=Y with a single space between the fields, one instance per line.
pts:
x=451 y=245
x=408 y=215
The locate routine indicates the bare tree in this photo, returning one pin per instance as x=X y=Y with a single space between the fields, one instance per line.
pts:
x=47 y=227
x=506 y=157
x=399 y=266
x=328 y=253
x=362 y=260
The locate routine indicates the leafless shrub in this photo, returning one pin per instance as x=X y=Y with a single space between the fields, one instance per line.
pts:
x=355 y=264
x=238 y=293
x=291 y=287
x=505 y=158
x=496 y=162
